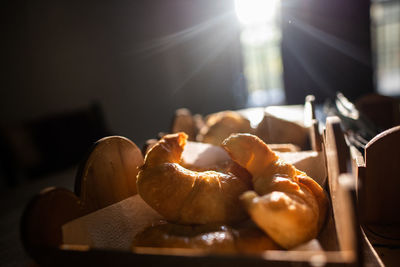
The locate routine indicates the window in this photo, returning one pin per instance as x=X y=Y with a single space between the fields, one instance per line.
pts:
x=260 y=38
x=385 y=16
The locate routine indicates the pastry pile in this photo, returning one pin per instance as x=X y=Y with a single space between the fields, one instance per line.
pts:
x=254 y=186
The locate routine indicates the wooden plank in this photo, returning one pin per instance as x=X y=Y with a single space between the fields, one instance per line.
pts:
x=311 y=122
x=378 y=195
x=108 y=175
x=45 y=213
x=340 y=182
x=79 y=257
x=381 y=181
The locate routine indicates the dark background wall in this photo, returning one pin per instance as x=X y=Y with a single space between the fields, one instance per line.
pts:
x=140 y=60
x=326 y=47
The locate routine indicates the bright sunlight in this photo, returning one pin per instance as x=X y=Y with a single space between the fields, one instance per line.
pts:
x=255 y=11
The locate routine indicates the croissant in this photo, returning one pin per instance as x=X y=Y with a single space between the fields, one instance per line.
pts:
x=220 y=125
x=190 y=197
x=216 y=238
x=287 y=204
x=245 y=238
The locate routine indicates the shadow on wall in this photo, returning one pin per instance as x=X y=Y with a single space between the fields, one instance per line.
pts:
x=140 y=60
x=49 y=144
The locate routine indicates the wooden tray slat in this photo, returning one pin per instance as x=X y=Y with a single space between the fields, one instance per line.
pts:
x=108 y=175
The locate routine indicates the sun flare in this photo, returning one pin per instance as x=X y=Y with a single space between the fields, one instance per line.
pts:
x=255 y=11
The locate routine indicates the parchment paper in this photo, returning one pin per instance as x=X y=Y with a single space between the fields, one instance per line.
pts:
x=112 y=227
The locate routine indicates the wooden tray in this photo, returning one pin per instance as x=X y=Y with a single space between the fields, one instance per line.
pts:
x=102 y=180
x=378 y=182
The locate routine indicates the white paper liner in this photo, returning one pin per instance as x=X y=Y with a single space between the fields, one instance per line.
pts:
x=112 y=227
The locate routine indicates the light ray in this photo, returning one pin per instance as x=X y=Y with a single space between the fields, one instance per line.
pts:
x=343 y=46
x=164 y=43
x=310 y=70
x=217 y=49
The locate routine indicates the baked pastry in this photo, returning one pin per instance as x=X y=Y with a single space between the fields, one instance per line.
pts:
x=250 y=239
x=287 y=204
x=219 y=126
x=184 y=121
x=210 y=237
x=185 y=196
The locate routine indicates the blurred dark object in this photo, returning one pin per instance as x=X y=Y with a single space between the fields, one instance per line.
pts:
x=370 y=115
x=49 y=144
x=354 y=120
x=357 y=128
x=326 y=46
x=383 y=111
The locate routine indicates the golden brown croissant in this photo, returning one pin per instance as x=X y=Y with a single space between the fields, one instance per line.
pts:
x=185 y=196
x=210 y=237
x=216 y=238
x=292 y=206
